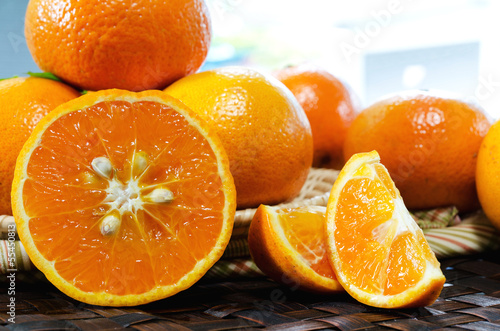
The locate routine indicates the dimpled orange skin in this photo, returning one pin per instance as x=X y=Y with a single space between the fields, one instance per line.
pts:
x=23 y=102
x=263 y=129
x=129 y=44
x=488 y=174
x=428 y=143
x=329 y=106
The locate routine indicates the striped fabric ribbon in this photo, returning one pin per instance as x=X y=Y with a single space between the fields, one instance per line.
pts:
x=475 y=234
x=13 y=257
x=447 y=234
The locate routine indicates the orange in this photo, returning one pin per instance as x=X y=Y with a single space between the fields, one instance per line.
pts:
x=264 y=130
x=330 y=107
x=488 y=174
x=23 y=102
x=428 y=142
x=128 y=44
x=289 y=245
x=122 y=198
x=378 y=252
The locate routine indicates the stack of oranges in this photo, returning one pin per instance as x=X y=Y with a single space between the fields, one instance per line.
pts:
x=151 y=183
x=127 y=194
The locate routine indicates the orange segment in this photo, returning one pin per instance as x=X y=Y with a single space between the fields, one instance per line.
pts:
x=377 y=250
x=123 y=198
x=289 y=245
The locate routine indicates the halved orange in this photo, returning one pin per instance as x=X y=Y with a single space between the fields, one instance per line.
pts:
x=378 y=252
x=289 y=246
x=123 y=198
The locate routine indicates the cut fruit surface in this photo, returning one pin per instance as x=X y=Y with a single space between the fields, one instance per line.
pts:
x=289 y=245
x=378 y=252
x=123 y=198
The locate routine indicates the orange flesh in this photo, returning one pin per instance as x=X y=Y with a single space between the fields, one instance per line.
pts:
x=304 y=231
x=154 y=245
x=364 y=224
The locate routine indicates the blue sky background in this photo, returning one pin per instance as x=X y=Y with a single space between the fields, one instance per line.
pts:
x=15 y=59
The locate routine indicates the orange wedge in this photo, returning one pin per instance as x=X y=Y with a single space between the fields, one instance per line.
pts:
x=289 y=246
x=378 y=252
x=123 y=198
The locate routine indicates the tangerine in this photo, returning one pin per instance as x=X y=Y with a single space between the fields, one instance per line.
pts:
x=133 y=45
x=264 y=130
x=330 y=107
x=429 y=143
x=488 y=174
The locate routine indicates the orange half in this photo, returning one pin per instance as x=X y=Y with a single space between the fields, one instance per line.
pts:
x=289 y=246
x=378 y=252
x=123 y=198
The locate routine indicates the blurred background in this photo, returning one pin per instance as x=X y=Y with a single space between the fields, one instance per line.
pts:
x=376 y=46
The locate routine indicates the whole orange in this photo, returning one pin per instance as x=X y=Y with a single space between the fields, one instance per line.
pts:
x=128 y=44
x=330 y=107
x=488 y=174
x=23 y=102
x=429 y=143
x=263 y=129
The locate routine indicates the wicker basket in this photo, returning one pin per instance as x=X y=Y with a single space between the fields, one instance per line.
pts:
x=315 y=192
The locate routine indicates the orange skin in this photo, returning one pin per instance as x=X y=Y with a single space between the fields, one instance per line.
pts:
x=488 y=174
x=329 y=106
x=23 y=102
x=133 y=45
x=264 y=130
x=428 y=143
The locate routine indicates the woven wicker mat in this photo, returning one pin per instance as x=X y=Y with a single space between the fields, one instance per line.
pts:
x=470 y=300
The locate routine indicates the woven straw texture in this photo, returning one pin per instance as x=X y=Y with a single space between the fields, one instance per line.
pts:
x=470 y=300
x=315 y=192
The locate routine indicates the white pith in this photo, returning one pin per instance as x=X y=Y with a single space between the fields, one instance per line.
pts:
x=123 y=198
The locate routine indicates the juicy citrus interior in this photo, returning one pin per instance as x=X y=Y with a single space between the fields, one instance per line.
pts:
x=304 y=230
x=124 y=197
x=378 y=249
x=289 y=246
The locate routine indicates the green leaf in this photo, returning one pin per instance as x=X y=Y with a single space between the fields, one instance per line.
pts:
x=8 y=78
x=46 y=75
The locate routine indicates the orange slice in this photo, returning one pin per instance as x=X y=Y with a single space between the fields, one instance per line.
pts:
x=378 y=252
x=289 y=246
x=123 y=198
